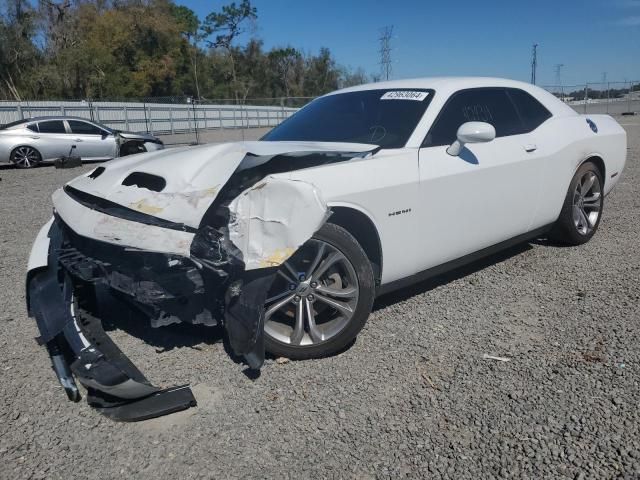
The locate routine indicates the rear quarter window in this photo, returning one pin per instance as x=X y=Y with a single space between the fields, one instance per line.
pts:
x=532 y=112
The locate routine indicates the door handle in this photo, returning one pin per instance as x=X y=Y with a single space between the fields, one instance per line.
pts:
x=530 y=148
x=78 y=140
x=35 y=137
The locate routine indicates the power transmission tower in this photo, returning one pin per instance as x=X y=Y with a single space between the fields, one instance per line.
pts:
x=534 y=63
x=385 y=52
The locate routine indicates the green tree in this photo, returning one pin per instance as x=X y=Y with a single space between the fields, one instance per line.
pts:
x=286 y=63
x=189 y=25
x=19 y=56
x=322 y=74
x=139 y=48
x=221 y=29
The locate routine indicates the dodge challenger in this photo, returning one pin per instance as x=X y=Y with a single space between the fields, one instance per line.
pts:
x=287 y=241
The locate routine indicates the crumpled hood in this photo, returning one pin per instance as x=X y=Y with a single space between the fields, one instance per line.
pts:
x=137 y=136
x=193 y=175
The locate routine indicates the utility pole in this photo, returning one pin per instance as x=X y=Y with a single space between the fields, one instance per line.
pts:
x=534 y=63
x=558 y=69
x=385 y=52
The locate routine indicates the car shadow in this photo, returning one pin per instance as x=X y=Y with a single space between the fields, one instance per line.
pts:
x=424 y=286
x=118 y=314
x=468 y=156
x=548 y=242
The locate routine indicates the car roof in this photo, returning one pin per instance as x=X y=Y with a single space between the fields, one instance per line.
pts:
x=454 y=83
x=445 y=86
x=58 y=117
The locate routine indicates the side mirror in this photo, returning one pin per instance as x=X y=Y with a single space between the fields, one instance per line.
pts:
x=471 y=132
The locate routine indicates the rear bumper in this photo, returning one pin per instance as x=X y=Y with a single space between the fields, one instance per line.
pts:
x=78 y=345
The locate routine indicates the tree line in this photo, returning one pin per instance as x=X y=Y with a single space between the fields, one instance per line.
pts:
x=111 y=49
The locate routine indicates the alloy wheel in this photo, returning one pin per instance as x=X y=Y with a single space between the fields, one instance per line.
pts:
x=587 y=203
x=26 y=157
x=314 y=296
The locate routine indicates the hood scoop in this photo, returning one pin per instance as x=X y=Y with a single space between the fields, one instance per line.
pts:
x=151 y=182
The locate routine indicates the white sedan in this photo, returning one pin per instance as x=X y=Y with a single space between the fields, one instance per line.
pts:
x=288 y=240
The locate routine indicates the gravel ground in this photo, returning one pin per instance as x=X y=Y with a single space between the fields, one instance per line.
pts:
x=412 y=397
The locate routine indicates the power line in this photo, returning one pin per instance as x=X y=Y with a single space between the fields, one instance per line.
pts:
x=385 y=52
x=534 y=63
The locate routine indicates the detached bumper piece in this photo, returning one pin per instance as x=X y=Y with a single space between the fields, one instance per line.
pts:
x=79 y=347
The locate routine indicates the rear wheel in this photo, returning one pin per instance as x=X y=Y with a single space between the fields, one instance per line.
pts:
x=582 y=209
x=25 y=157
x=321 y=298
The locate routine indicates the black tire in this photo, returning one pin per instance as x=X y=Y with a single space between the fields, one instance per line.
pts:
x=565 y=229
x=345 y=243
x=25 y=156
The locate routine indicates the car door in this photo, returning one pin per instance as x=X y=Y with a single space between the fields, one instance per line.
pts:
x=53 y=141
x=485 y=195
x=92 y=142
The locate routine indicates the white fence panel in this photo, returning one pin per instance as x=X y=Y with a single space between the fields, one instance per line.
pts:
x=159 y=118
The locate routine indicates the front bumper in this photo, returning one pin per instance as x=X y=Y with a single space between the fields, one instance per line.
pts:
x=78 y=345
x=66 y=269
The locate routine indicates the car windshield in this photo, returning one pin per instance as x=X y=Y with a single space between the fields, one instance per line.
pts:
x=381 y=117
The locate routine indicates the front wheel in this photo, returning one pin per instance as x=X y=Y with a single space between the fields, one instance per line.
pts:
x=582 y=208
x=321 y=298
x=25 y=157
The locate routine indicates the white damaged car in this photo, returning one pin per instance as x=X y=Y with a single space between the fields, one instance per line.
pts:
x=288 y=240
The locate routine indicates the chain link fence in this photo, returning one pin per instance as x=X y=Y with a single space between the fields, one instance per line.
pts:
x=176 y=120
x=186 y=121
x=612 y=98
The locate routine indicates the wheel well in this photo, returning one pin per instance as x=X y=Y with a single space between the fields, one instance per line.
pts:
x=364 y=231
x=598 y=162
x=131 y=147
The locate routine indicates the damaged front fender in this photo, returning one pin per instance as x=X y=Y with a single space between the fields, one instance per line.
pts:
x=272 y=219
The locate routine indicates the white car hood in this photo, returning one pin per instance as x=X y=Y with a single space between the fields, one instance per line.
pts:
x=193 y=175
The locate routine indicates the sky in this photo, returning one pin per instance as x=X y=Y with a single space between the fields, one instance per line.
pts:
x=461 y=37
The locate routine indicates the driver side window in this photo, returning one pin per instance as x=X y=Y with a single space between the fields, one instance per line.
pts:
x=490 y=105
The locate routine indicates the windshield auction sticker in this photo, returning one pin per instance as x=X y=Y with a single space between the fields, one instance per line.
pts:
x=405 y=95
